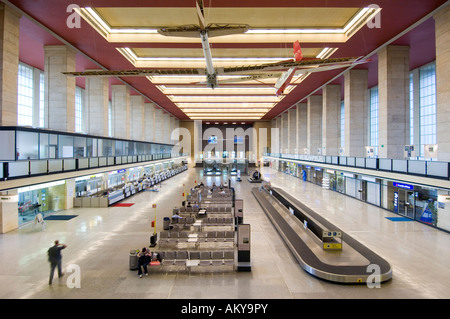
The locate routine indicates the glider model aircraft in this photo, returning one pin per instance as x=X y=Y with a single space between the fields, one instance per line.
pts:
x=276 y=69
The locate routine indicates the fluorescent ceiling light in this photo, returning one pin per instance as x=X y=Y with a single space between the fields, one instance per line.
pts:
x=343 y=30
x=92 y=14
x=194 y=110
x=225 y=105
x=224 y=98
x=225 y=114
x=326 y=53
x=225 y=117
x=217 y=91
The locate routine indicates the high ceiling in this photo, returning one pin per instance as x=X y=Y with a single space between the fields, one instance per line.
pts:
x=121 y=35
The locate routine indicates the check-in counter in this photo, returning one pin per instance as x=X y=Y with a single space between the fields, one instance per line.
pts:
x=115 y=196
x=101 y=201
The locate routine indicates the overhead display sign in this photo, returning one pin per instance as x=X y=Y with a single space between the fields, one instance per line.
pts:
x=403 y=185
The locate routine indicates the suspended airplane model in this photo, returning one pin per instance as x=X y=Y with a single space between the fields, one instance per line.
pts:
x=296 y=65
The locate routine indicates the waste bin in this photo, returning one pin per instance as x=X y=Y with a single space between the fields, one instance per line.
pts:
x=166 y=222
x=134 y=259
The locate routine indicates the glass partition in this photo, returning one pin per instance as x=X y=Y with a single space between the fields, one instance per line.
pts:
x=52 y=145
x=91 y=147
x=79 y=147
x=27 y=146
x=65 y=146
x=43 y=145
x=119 y=148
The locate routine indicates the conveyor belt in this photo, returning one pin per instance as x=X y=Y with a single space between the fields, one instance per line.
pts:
x=342 y=273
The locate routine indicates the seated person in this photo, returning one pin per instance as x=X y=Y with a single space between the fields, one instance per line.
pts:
x=195 y=206
x=176 y=216
x=189 y=204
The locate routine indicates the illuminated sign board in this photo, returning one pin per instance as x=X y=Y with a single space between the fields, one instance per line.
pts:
x=402 y=185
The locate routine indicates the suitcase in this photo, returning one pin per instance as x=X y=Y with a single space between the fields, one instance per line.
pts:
x=153 y=240
x=134 y=265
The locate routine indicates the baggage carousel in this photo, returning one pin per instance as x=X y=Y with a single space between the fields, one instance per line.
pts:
x=321 y=249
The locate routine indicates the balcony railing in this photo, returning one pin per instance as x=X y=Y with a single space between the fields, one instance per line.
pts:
x=29 y=152
x=432 y=169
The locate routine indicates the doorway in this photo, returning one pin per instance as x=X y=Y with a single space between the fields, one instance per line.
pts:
x=406 y=203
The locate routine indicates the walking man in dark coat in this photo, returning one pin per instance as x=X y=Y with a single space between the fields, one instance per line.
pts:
x=55 y=258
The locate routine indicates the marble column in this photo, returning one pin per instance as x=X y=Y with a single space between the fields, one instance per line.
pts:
x=274 y=137
x=292 y=130
x=166 y=128
x=159 y=118
x=9 y=57
x=442 y=30
x=120 y=104
x=97 y=103
x=284 y=133
x=356 y=112
x=278 y=135
x=9 y=215
x=59 y=88
x=302 y=127
x=149 y=126
x=393 y=101
x=314 y=124
x=138 y=117
x=331 y=111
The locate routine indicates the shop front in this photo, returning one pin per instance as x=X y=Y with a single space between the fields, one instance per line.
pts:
x=43 y=198
x=413 y=201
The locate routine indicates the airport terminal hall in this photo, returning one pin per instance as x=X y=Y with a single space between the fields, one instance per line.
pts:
x=232 y=157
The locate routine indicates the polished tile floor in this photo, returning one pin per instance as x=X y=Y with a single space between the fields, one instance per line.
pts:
x=99 y=241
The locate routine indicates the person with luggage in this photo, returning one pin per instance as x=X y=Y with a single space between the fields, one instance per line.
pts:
x=144 y=258
x=55 y=259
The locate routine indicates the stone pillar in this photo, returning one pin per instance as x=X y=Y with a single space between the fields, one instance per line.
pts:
x=138 y=117
x=442 y=29
x=97 y=103
x=279 y=136
x=393 y=101
x=175 y=134
x=302 y=127
x=274 y=138
x=314 y=123
x=149 y=125
x=120 y=104
x=59 y=88
x=292 y=130
x=263 y=136
x=166 y=128
x=356 y=113
x=9 y=214
x=9 y=57
x=284 y=133
x=331 y=113
x=159 y=118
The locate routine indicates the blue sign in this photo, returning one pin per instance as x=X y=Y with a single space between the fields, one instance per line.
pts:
x=427 y=216
x=121 y=171
x=396 y=202
x=402 y=185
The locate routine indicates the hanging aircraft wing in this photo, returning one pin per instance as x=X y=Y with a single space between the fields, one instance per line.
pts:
x=302 y=67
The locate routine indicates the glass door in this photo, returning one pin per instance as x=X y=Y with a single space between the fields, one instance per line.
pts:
x=406 y=203
x=409 y=204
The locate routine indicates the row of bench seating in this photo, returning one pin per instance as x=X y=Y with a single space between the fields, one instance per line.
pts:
x=210 y=221
x=183 y=236
x=180 y=257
